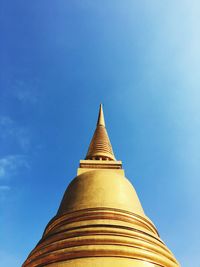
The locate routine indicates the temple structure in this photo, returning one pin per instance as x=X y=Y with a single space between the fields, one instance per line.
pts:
x=100 y=221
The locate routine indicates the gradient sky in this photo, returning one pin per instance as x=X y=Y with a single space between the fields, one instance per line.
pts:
x=59 y=61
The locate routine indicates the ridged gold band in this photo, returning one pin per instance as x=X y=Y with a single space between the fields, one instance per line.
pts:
x=100 y=232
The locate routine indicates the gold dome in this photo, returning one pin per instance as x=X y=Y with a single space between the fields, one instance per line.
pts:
x=88 y=190
x=100 y=222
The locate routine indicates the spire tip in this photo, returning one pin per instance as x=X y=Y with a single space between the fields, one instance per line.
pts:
x=100 y=147
x=101 y=120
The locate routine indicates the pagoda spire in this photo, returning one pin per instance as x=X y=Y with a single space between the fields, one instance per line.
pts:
x=100 y=147
x=101 y=120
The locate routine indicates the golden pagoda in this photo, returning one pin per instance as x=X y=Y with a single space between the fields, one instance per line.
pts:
x=100 y=221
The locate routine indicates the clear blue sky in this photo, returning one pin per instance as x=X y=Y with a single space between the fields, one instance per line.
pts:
x=59 y=60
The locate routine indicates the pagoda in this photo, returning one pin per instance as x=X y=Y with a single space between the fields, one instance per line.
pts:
x=100 y=221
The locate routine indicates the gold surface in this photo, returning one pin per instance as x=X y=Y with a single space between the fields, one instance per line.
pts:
x=100 y=188
x=100 y=147
x=103 y=262
x=100 y=222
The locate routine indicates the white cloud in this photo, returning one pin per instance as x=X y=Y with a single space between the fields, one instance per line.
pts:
x=11 y=165
x=6 y=125
x=26 y=92
x=11 y=132
x=4 y=188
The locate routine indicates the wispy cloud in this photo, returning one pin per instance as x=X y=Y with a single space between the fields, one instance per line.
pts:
x=11 y=132
x=4 y=188
x=11 y=165
x=26 y=92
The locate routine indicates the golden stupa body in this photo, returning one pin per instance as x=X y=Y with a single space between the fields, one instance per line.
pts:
x=100 y=221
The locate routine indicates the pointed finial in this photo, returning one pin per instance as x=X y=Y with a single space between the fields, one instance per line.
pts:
x=101 y=120
x=100 y=146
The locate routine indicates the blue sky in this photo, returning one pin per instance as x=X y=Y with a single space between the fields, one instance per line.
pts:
x=59 y=61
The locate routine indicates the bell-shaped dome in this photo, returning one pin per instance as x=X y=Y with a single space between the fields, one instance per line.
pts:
x=100 y=188
x=101 y=223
